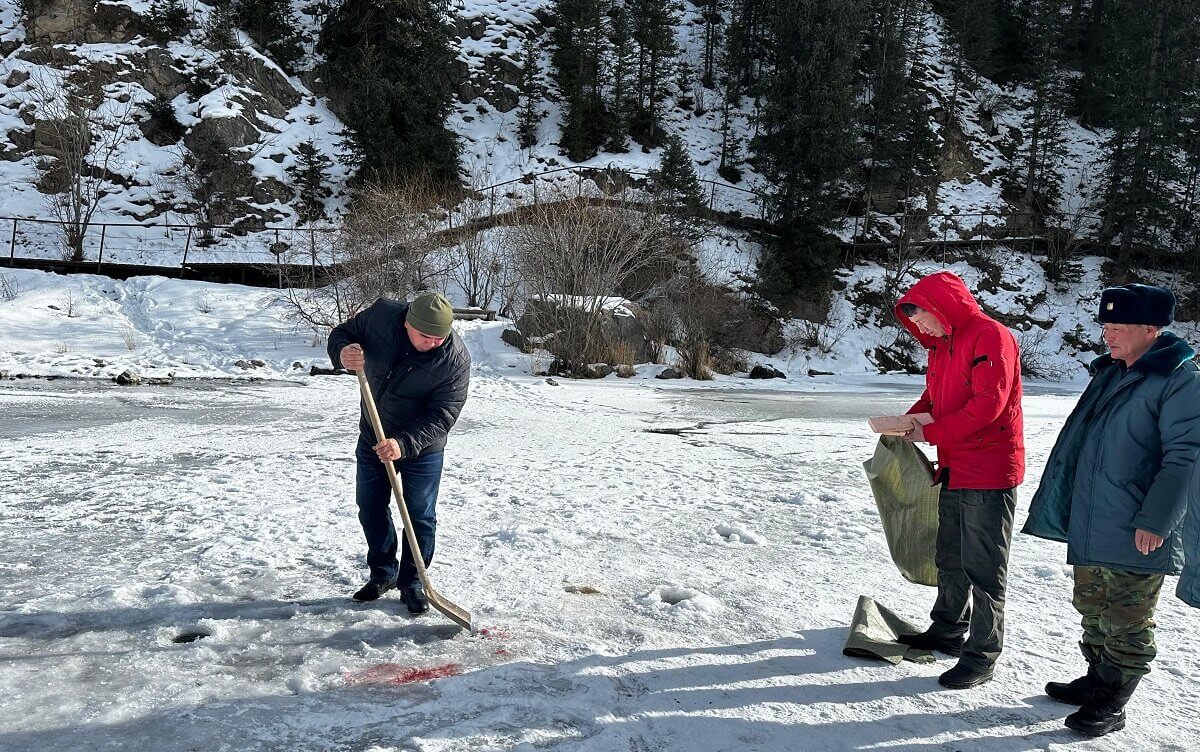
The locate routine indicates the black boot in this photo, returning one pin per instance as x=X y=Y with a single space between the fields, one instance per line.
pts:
x=373 y=589
x=965 y=676
x=1105 y=711
x=1078 y=691
x=928 y=640
x=414 y=598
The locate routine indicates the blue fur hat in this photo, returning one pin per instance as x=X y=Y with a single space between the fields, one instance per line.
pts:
x=1137 y=304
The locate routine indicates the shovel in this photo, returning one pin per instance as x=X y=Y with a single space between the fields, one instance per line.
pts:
x=455 y=613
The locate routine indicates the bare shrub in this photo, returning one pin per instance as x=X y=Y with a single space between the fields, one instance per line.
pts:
x=658 y=323
x=204 y=302
x=206 y=181
x=695 y=311
x=78 y=135
x=816 y=326
x=1064 y=246
x=1037 y=356
x=9 y=288
x=620 y=354
x=709 y=325
x=478 y=257
x=382 y=250
x=68 y=304
x=695 y=360
x=571 y=256
x=129 y=337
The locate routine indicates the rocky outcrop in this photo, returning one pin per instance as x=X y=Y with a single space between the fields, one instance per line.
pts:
x=81 y=22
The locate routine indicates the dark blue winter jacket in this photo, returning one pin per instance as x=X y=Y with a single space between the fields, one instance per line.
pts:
x=419 y=395
x=1123 y=462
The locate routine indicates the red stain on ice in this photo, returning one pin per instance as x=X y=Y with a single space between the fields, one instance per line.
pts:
x=394 y=674
x=491 y=633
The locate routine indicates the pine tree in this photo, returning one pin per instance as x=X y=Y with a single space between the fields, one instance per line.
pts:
x=972 y=30
x=808 y=139
x=654 y=23
x=386 y=68
x=748 y=43
x=529 y=114
x=1150 y=60
x=730 y=82
x=1092 y=92
x=168 y=20
x=901 y=146
x=675 y=177
x=273 y=25
x=731 y=145
x=579 y=47
x=1044 y=148
x=310 y=177
x=623 y=56
x=1186 y=234
x=219 y=31
x=713 y=21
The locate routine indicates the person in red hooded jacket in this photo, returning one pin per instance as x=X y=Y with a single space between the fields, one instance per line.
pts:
x=973 y=392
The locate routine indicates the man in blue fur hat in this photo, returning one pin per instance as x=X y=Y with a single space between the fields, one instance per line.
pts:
x=1115 y=490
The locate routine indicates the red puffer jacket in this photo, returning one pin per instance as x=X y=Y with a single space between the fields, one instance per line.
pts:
x=972 y=387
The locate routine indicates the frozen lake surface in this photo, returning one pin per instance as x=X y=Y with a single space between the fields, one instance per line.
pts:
x=726 y=534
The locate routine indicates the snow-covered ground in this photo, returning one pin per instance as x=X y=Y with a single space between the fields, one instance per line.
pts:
x=635 y=589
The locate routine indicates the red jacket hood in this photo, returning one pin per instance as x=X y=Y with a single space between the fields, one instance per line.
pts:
x=944 y=295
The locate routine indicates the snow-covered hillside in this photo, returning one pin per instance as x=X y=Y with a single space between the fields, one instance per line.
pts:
x=235 y=103
x=262 y=114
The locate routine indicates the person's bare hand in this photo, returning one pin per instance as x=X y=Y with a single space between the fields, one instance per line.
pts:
x=1146 y=541
x=352 y=357
x=917 y=433
x=388 y=450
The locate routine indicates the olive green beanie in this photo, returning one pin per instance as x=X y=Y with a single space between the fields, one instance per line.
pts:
x=431 y=314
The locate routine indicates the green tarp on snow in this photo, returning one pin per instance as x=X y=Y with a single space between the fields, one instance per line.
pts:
x=873 y=634
x=901 y=479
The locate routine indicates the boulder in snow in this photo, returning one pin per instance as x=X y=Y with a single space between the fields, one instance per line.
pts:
x=517 y=340
x=766 y=372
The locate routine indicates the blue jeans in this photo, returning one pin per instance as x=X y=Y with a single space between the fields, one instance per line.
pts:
x=420 y=478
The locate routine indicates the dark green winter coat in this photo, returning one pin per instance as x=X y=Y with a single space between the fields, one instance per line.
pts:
x=419 y=395
x=1123 y=462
